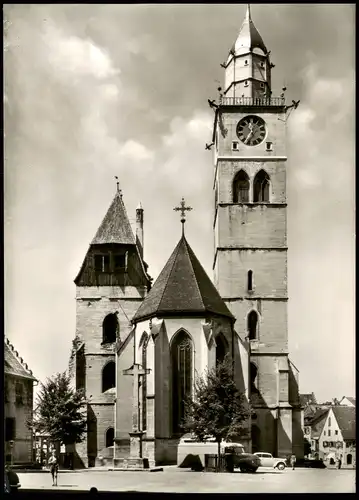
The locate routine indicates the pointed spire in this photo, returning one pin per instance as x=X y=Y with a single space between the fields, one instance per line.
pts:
x=115 y=227
x=249 y=37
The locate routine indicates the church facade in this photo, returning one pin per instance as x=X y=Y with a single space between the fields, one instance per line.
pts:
x=139 y=347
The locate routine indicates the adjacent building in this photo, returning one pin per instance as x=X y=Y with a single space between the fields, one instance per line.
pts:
x=338 y=436
x=18 y=407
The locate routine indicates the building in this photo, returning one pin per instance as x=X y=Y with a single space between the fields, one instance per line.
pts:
x=338 y=436
x=307 y=399
x=18 y=407
x=347 y=401
x=139 y=348
x=313 y=426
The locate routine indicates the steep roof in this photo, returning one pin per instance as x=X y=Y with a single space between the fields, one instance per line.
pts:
x=345 y=416
x=14 y=364
x=182 y=287
x=317 y=422
x=248 y=37
x=115 y=227
x=350 y=399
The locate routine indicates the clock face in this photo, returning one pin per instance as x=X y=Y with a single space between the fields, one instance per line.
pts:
x=251 y=130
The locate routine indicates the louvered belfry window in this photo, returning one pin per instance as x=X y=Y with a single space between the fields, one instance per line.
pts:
x=182 y=354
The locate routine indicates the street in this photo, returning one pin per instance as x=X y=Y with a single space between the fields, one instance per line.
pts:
x=174 y=480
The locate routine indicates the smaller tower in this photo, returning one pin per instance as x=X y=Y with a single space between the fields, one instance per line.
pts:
x=139 y=228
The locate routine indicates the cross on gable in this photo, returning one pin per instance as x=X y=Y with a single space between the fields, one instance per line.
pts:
x=182 y=208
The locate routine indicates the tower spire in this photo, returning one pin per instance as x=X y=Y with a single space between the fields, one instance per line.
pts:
x=248 y=13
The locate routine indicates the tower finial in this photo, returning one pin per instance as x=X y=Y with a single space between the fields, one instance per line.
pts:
x=182 y=208
x=118 y=186
x=248 y=13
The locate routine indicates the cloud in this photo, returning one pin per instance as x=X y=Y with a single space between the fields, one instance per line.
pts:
x=76 y=56
x=136 y=151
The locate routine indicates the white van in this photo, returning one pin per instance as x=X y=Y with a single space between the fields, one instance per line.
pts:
x=189 y=446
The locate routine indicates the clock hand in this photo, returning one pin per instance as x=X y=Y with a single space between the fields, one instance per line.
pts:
x=249 y=136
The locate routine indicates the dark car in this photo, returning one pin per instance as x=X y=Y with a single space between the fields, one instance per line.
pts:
x=12 y=483
x=246 y=462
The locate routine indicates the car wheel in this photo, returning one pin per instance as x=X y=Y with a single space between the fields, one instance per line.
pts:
x=243 y=469
x=281 y=466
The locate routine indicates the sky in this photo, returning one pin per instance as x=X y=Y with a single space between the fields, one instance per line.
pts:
x=98 y=91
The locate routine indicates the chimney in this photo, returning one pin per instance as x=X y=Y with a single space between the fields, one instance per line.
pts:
x=139 y=228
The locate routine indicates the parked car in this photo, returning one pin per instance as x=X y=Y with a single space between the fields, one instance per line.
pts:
x=12 y=483
x=267 y=460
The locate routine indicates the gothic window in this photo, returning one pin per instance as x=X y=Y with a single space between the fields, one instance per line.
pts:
x=221 y=348
x=252 y=322
x=181 y=358
x=250 y=280
x=143 y=347
x=109 y=376
x=110 y=436
x=110 y=328
x=253 y=370
x=261 y=187
x=241 y=188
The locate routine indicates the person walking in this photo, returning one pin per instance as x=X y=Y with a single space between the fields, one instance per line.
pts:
x=340 y=462
x=293 y=460
x=54 y=467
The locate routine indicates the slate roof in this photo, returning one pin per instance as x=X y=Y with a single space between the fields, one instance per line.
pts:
x=183 y=287
x=115 y=227
x=248 y=37
x=345 y=416
x=14 y=364
x=317 y=422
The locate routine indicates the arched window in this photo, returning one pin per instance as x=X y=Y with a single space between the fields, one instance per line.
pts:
x=252 y=322
x=349 y=459
x=181 y=358
x=143 y=347
x=253 y=370
x=109 y=376
x=110 y=436
x=221 y=347
x=241 y=188
x=261 y=187
x=250 y=281
x=110 y=328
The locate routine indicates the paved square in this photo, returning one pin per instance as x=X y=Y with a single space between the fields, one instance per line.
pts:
x=174 y=480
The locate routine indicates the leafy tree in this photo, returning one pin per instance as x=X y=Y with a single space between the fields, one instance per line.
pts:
x=217 y=409
x=60 y=411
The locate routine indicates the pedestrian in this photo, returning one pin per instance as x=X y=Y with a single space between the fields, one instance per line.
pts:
x=292 y=461
x=54 y=467
x=340 y=462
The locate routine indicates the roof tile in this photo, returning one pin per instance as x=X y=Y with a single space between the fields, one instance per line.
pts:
x=115 y=227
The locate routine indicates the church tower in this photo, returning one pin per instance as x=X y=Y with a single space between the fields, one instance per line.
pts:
x=250 y=230
x=110 y=286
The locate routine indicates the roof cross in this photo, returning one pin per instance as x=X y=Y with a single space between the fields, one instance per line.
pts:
x=182 y=208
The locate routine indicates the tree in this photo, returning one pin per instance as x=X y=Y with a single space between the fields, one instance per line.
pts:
x=217 y=409
x=60 y=411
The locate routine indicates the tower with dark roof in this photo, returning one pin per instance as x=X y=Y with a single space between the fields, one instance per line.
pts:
x=250 y=235
x=110 y=285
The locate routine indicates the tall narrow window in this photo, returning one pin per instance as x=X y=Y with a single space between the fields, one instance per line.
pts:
x=241 y=188
x=110 y=436
x=252 y=325
x=102 y=263
x=181 y=357
x=250 y=281
x=109 y=376
x=261 y=187
x=143 y=344
x=110 y=328
x=221 y=348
